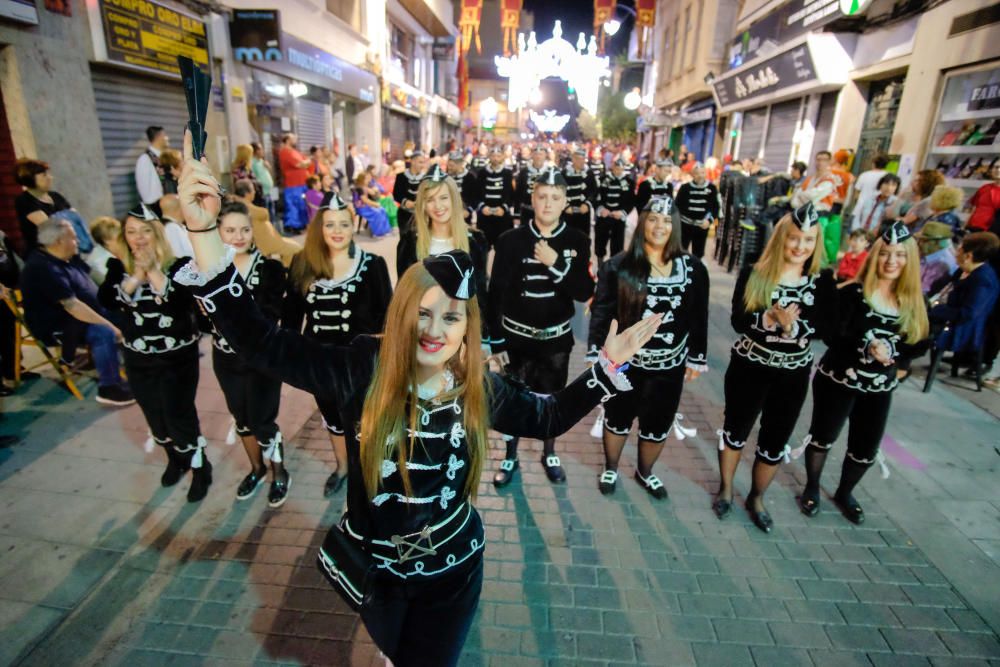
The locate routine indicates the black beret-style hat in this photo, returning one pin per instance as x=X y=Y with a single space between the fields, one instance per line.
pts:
x=805 y=216
x=453 y=272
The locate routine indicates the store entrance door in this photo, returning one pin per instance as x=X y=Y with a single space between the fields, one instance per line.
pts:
x=880 y=119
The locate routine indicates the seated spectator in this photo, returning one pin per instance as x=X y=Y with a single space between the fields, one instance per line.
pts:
x=313 y=195
x=922 y=187
x=872 y=213
x=171 y=217
x=857 y=252
x=61 y=306
x=366 y=206
x=37 y=202
x=107 y=233
x=961 y=310
x=985 y=204
x=944 y=200
x=937 y=257
x=265 y=236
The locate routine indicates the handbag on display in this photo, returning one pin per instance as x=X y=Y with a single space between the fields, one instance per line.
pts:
x=347 y=565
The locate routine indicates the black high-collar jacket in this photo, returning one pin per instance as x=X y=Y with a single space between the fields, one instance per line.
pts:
x=439 y=464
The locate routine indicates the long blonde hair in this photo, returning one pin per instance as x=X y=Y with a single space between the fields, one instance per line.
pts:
x=767 y=271
x=313 y=261
x=244 y=157
x=912 y=311
x=164 y=254
x=384 y=418
x=459 y=230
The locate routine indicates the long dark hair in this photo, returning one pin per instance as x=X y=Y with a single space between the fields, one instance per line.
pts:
x=635 y=268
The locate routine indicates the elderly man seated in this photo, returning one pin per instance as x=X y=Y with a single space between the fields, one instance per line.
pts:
x=60 y=305
x=937 y=257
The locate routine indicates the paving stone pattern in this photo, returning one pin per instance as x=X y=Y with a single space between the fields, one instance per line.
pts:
x=101 y=566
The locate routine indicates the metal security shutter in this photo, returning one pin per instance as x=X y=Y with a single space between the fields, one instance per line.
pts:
x=752 y=134
x=126 y=105
x=397 y=134
x=313 y=124
x=824 y=122
x=780 y=132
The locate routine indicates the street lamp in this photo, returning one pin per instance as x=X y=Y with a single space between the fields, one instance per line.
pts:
x=612 y=27
x=633 y=100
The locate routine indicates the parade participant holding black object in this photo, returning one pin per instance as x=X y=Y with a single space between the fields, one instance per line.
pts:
x=424 y=401
x=496 y=182
x=883 y=323
x=780 y=305
x=252 y=397
x=653 y=276
x=161 y=345
x=616 y=200
x=539 y=270
x=404 y=190
x=340 y=292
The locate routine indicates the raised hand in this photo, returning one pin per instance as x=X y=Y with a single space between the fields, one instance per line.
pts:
x=197 y=190
x=620 y=347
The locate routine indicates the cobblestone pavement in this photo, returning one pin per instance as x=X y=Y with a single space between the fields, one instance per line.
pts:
x=101 y=566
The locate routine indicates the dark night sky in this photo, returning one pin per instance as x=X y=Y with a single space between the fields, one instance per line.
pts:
x=577 y=16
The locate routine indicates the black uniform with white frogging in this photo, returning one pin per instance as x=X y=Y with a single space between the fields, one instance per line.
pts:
x=252 y=397
x=650 y=188
x=680 y=342
x=526 y=178
x=497 y=187
x=161 y=357
x=697 y=204
x=335 y=311
x=615 y=196
x=405 y=190
x=581 y=188
x=423 y=597
x=768 y=374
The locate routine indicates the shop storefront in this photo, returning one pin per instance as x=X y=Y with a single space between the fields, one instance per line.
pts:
x=880 y=120
x=783 y=105
x=404 y=110
x=136 y=82
x=289 y=85
x=698 y=123
x=964 y=141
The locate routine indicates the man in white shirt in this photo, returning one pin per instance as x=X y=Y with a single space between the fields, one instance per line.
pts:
x=865 y=189
x=177 y=237
x=148 y=173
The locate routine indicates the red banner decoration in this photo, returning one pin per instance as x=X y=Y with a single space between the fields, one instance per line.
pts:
x=645 y=19
x=604 y=10
x=510 y=21
x=462 y=74
x=472 y=14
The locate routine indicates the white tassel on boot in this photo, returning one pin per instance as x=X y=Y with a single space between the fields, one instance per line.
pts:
x=150 y=444
x=883 y=466
x=231 y=435
x=597 y=430
x=681 y=432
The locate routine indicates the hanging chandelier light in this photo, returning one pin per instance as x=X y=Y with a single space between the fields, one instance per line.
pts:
x=580 y=67
x=548 y=121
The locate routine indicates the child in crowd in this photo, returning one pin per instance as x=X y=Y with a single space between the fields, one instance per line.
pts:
x=857 y=251
x=313 y=195
x=944 y=200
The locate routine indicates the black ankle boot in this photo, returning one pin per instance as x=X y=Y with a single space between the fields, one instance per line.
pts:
x=201 y=479
x=175 y=467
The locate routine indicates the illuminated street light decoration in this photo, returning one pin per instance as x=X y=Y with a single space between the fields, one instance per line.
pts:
x=548 y=121
x=488 y=113
x=604 y=11
x=632 y=100
x=581 y=68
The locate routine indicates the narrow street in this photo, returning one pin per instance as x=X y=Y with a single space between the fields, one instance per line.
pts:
x=101 y=566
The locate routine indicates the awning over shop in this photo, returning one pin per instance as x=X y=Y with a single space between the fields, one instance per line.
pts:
x=812 y=63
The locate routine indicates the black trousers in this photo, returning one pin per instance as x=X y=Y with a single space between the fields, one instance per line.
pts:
x=654 y=399
x=608 y=229
x=252 y=397
x=693 y=239
x=775 y=395
x=404 y=220
x=164 y=386
x=423 y=623
x=332 y=420
x=543 y=371
x=494 y=225
x=580 y=221
x=834 y=404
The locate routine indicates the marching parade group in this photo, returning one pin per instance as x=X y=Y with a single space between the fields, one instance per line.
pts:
x=491 y=261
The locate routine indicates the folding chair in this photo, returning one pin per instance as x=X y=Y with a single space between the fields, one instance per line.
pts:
x=23 y=336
